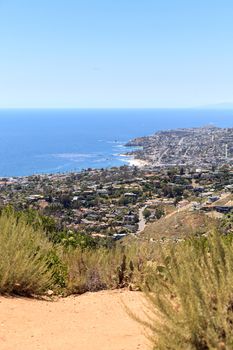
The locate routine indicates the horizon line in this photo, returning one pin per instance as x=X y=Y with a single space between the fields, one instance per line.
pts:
x=211 y=107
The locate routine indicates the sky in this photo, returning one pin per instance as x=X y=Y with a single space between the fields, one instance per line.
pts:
x=115 y=53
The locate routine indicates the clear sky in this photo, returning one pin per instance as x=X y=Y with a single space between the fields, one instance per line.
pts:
x=115 y=53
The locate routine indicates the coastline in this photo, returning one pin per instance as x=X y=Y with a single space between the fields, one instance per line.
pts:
x=129 y=161
x=84 y=138
x=137 y=162
x=132 y=161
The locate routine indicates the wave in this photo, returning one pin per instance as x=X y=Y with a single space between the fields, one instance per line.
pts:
x=74 y=156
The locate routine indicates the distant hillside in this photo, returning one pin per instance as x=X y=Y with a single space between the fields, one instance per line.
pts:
x=181 y=224
x=224 y=105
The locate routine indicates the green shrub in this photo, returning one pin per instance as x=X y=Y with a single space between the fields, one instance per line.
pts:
x=25 y=258
x=146 y=213
x=30 y=263
x=58 y=268
x=191 y=296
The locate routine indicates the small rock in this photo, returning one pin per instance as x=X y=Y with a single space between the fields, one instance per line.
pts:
x=50 y=292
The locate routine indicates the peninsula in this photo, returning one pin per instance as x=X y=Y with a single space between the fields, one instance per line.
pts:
x=201 y=147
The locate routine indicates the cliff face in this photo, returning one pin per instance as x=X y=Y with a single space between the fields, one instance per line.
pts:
x=138 y=142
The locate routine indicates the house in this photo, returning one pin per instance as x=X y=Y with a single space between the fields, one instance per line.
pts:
x=102 y=191
x=213 y=199
x=118 y=236
x=224 y=209
x=35 y=197
x=130 y=219
x=130 y=194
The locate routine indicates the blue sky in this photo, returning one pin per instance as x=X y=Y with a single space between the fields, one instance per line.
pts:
x=115 y=53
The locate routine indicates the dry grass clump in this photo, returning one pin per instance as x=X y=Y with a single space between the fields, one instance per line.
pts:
x=23 y=258
x=191 y=296
x=30 y=264
x=92 y=270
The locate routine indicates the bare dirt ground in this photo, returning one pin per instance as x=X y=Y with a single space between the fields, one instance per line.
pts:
x=93 y=321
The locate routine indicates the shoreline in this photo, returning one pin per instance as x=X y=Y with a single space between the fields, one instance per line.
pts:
x=132 y=161
x=129 y=160
x=137 y=162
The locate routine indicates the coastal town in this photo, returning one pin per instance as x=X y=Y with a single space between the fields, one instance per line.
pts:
x=200 y=147
x=116 y=175
x=109 y=204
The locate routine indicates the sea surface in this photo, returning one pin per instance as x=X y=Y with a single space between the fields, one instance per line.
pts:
x=53 y=141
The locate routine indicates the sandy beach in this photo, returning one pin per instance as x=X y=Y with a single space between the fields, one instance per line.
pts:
x=137 y=162
x=134 y=161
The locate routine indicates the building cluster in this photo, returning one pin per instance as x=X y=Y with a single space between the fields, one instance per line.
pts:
x=116 y=202
x=200 y=147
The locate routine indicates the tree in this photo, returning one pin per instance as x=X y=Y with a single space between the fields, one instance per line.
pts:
x=146 y=213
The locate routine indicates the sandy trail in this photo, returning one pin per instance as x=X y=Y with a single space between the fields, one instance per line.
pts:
x=93 y=321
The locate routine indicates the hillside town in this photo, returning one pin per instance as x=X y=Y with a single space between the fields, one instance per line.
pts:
x=117 y=202
x=200 y=147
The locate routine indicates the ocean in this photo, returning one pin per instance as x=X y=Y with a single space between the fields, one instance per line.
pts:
x=53 y=141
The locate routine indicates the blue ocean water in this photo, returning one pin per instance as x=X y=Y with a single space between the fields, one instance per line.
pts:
x=50 y=141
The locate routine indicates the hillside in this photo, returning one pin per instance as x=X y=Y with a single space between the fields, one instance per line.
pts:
x=178 y=224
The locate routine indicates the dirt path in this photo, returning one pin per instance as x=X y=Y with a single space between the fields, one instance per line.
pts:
x=93 y=321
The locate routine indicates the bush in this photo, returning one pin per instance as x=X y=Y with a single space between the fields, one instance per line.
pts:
x=92 y=270
x=31 y=264
x=25 y=256
x=146 y=213
x=191 y=296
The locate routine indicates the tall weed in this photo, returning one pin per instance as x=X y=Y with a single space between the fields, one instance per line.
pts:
x=191 y=296
x=92 y=270
x=24 y=258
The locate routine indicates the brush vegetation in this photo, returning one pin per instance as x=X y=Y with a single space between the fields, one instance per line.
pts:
x=24 y=258
x=190 y=294
x=119 y=267
x=189 y=284
x=31 y=263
